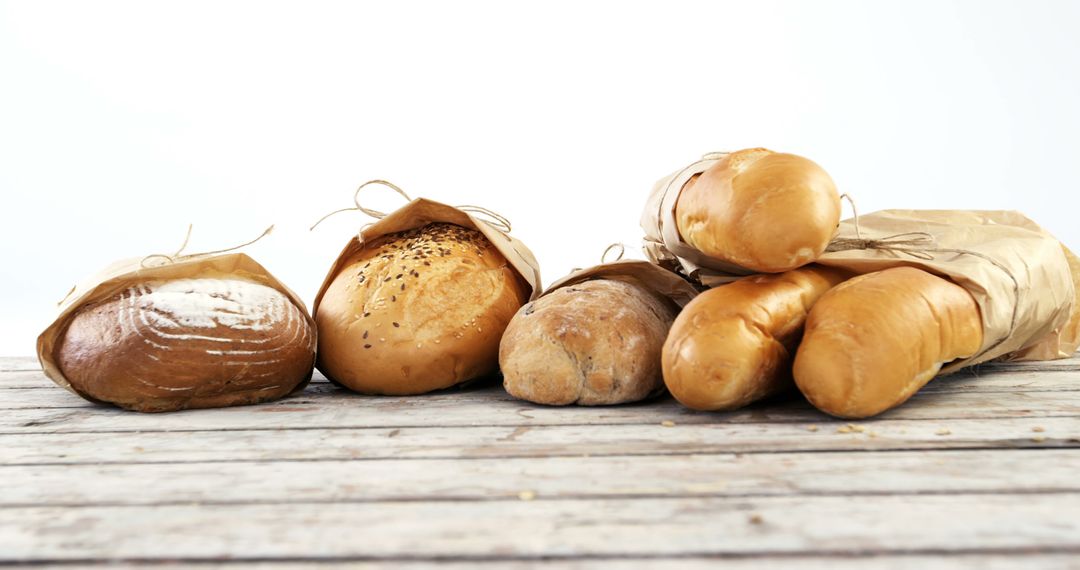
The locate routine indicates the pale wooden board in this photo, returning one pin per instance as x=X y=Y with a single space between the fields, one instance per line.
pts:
x=717 y=475
x=540 y=528
x=539 y=441
x=939 y=561
x=329 y=476
x=19 y=363
x=491 y=406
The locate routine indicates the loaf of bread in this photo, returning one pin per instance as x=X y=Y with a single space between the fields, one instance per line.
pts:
x=188 y=343
x=760 y=210
x=416 y=311
x=873 y=341
x=734 y=344
x=592 y=343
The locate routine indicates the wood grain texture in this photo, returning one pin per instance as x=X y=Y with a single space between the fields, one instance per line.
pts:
x=944 y=560
x=464 y=442
x=977 y=471
x=718 y=475
x=542 y=528
x=492 y=407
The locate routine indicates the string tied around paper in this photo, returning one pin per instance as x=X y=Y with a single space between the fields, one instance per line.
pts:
x=913 y=244
x=489 y=217
x=923 y=246
x=159 y=259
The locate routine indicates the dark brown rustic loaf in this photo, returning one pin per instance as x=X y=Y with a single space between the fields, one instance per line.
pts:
x=592 y=343
x=188 y=343
x=416 y=311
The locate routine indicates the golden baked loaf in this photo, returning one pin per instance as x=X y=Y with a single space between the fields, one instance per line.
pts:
x=592 y=343
x=873 y=341
x=761 y=210
x=188 y=343
x=416 y=311
x=734 y=344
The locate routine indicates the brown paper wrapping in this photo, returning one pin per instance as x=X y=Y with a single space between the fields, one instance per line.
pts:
x=1025 y=282
x=636 y=272
x=123 y=274
x=421 y=212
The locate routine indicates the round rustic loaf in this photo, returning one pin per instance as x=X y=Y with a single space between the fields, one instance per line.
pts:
x=761 y=210
x=592 y=343
x=416 y=311
x=871 y=342
x=188 y=343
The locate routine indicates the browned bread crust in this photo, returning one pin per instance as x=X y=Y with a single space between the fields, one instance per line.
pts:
x=188 y=343
x=591 y=343
x=416 y=311
x=873 y=341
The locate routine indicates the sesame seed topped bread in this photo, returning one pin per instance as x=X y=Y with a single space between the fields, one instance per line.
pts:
x=417 y=310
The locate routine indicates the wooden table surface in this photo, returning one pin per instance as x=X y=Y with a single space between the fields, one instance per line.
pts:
x=979 y=470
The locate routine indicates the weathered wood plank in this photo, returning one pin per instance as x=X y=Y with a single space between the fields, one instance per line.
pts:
x=32 y=390
x=540 y=441
x=9 y=363
x=1008 y=377
x=717 y=475
x=540 y=528
x=938 y=561
x=492 y=406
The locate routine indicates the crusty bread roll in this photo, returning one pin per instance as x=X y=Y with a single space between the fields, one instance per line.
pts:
x=188 y=343
x=734 y=344
x=592 y=343
x=873 y=341
x=761 y=210
x=416 y=311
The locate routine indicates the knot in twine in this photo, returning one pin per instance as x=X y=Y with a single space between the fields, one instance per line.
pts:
x=159 y=259
x=919 y=245
x=923 y=246
x=489 y=217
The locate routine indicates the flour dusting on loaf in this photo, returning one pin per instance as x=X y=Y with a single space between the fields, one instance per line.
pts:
x=592 y=343
x=185 y=343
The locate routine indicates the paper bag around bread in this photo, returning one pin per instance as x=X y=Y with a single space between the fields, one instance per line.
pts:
x=1024 y=280
x=123 y=274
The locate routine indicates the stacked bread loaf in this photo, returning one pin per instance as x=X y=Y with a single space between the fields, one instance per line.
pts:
x=869 y=343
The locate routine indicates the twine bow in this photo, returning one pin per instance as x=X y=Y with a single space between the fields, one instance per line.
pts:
x=923 y=246
x=604 y=256
x=915 y=244
x=489 y=217
x=180 y=255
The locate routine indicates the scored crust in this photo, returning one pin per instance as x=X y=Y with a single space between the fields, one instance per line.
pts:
x=188 y=343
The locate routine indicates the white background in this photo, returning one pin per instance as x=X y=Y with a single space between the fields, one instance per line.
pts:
x=120 y=123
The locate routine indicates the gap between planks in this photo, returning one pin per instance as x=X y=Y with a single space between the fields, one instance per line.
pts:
x=1064 y=559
